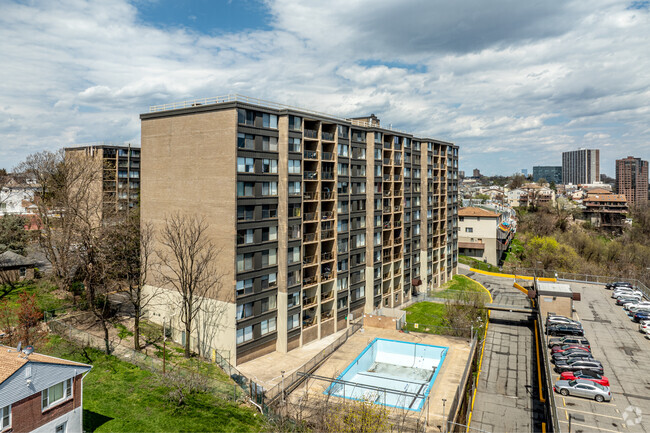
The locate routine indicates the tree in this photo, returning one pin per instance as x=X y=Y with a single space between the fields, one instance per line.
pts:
x=13 y=236
x=130 y=258
x=517 y=181
x=188 y=266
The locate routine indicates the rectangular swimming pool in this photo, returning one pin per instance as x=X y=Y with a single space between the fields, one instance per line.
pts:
x=393 y=373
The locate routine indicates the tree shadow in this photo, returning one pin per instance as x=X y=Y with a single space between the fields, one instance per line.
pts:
x=93 y=420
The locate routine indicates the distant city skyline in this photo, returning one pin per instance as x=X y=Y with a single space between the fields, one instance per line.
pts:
x=513 y=84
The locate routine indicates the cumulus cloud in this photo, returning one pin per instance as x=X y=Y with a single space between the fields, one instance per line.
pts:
x=514 y=84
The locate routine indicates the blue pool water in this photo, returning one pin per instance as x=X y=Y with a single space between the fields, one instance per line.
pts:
x=393 y=373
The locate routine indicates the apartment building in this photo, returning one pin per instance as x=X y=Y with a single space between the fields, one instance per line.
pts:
x=604 y=209
x=319 y=218
x=120 y=173
x=581 y=166
x=484 y=235
x=632 y=180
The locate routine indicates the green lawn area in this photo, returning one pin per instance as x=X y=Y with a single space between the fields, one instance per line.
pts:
x=457 y=285
x=44 y=291
x=426 y=315
x=120 y=397
x=478 y=264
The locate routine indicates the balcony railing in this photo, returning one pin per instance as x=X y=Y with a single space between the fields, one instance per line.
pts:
x=327 y=175
x=328 y=156
x=398 y=223
x=397 y=256
x=311 y=133
x=306 y=281
x=398 y=208
x=327 y=195
x=310 y=216
x=327 y=256
x=309 y=237
x=328 y=136
x=386 y=161
x=387 y=225
x=325 y=296
x=311 y=154
x=310 y=195
x=309 y=260
x=387 y=193
x=327 y=215
x=398 y=240
x=325 y=276
x=326 y=315
x=386 y=275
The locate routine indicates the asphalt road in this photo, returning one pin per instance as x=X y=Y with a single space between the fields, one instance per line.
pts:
x=624 y=352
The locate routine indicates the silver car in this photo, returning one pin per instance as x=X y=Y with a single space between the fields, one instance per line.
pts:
x=583 y=388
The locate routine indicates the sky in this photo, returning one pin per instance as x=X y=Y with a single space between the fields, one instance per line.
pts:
x=512 y=83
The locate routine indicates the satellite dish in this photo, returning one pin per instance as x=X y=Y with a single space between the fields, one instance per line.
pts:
x=28 y=350
x=20 y=346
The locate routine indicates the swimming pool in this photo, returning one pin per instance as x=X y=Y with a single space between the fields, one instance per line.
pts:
x=393 y=373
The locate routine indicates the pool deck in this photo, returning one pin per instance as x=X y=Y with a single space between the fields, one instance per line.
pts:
x=444 y=386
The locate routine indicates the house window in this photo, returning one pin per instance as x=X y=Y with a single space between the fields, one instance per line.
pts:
x=293 y=255
x=270 y=257
x=56 y=394
x=295 y=123
x=267 y=326
x=5 y=417
x=293 y=321
x=343 y=150
x=293 y=299
x=294 y=145
x=269 y=211
x=245 y=213
x=23 y=272
x=244 y=334
x=61 y=428
x=469 y=230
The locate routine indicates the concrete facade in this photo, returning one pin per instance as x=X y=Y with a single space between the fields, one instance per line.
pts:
x=318 y=219
x=632 y=180
x=581 y=166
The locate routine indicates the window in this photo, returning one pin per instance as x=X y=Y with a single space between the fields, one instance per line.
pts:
x=294 y=145
x=342 y=169
x=293 y=299
x=245 y=141
x=378 y=170
x=295 y=123
x=342 y=283
x=294 y=166
x=245 y=165
x=269 y=234
x=244 y=334
x=469 y=230
x=342 y=265
x=342 y=303
x=342 y=187
x=342 y=206
x=377 y=137
x=342 y=245
x=267 y=326
x=61 y=428
x=245 y=236
x=294 y=188
x=244 y=310
x=269 y=303
x=5 y=417
x=244 y=287
x=245 y=213
x=343 y=131
x=361 y=240
x=378 y=155
x=245 y=117
x=244 y=262
x=269 y=166
x=293 y=255
x=294 y=210
x=270 y=280
x=55 y=394
x=343 y=150
x=245 y=189
x=23 y=272
x=270 y=143
x=270 y=257
x=342 y=225
x=377 y=239
x=270 y=121
x=293 y=321
x=362 y=153
x=359 y=293
x=269 y=211
x=269 y=188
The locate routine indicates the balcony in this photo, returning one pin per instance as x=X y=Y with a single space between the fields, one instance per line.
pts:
x=398 y=223
x=326 y=315
x=311 y=154
x=327 y=234
x=387 y=225
x=398 y=240
x=311 y=133
x=327 y=296
x=327 y=195
x=397 y=256
x=309 y=237
x=387 y=193
x=327 y=215
x=386 y=161
x=386 y=275
x=308 y=281
x=327 y=136
x=310 y=195
x=326 y=256
x=309 y=260
x=397 y=208
x=326 y=276
x=328 y=156
x=387 y=178
x=327 y=175
x=310 y=175
x=310 y=216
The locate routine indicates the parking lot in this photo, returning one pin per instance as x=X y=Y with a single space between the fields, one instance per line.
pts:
x=624 y=352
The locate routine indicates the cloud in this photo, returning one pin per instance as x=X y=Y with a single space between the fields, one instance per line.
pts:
x=513 y=84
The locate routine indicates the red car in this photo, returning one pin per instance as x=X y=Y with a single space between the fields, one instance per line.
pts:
x=585 y=374
x=560 y=349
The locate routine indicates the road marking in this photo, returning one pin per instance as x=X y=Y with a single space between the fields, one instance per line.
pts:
x=539 y=369
x=577 y=317
x=589 y=426
x=606 y=403
x=595 y=414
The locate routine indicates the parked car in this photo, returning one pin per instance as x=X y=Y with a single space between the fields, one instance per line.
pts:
x=626 y=291
x=636 y=308
x=585 y=375
x=564 y=348
x=563 y=365
x=641 y=315
x=576 y=354
x=625 y=299
x=562 y=329
x=583 y=388
x=561 y=341
x=637 y=305
x=618 y=284
x=643 y=325
x=550 y=320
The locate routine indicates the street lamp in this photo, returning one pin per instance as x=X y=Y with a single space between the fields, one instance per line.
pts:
x=444 y=425
x=165 y=340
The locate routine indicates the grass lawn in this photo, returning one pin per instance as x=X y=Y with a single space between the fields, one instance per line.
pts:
x=428 y=316
x=45 y=297
x=478 y=264
x=457 y=285
x=120 y=397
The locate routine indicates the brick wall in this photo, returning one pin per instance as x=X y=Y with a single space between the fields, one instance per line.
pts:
x=26 y=414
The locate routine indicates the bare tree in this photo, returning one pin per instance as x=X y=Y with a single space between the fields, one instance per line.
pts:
x=130 y=258
x=188 y=265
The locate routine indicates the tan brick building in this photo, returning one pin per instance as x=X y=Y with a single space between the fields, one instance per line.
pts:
x=319 y=218
x=632 y=180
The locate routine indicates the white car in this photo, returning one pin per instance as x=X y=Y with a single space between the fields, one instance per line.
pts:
x=644 y=325
x=636 y=307
x=630 y=292
x=647 y=333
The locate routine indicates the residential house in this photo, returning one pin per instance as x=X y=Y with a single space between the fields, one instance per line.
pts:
x=17 y=195
x=40 y=393
x=484 y=235
x=14 y=267
x=604 y=209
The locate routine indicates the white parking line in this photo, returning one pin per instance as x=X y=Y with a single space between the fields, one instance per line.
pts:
x=586 y=400
x=588 y=426
x=570 y=409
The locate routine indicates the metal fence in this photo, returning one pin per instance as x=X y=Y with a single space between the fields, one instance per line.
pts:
x=460 y=402
x=292 y=381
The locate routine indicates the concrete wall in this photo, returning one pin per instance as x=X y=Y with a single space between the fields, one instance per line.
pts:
x=562 y=306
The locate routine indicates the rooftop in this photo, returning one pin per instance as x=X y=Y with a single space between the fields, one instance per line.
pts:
x=11 y=361
x=476 y=212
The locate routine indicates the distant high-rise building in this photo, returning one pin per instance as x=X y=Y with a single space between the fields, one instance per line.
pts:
x=476 y=173
x=524 y=171
x=550 y=173
x=632 y=180
x=581 y=166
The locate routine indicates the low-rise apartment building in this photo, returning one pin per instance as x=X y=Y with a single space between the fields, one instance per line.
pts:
x=605 y=210
x=483 y=234
x=319 y=218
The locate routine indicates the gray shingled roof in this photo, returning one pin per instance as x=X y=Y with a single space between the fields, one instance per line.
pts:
x=11 y=259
